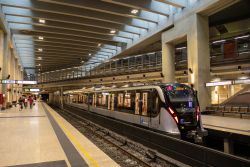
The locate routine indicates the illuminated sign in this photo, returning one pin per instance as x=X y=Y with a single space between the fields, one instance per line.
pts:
x=30 y=82
x=219 y=83
x=242 y=81
x=34 y=90
x=6 y=81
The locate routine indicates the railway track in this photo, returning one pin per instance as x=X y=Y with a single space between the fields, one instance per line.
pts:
x=125 y=152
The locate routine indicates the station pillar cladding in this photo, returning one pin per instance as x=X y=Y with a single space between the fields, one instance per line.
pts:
x=195 y=30
x=168 y=62
x=10 y=68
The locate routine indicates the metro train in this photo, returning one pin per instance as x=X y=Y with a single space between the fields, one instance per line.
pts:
x=171 y=108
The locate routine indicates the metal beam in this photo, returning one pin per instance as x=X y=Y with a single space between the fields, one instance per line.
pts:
x=10 y=11
x=99 y=6
x=24 y=40
x=175 y=3
x=66 y=26
x=61 y=47
x=147 y=5
x=53 y=30
x=77 y=12
x=66 y=37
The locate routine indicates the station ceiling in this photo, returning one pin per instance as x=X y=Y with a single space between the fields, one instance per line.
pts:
x=57 y=34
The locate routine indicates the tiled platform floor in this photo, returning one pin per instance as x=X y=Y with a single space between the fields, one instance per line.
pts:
x=28 y=137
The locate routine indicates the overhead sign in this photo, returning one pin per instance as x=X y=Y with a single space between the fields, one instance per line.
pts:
x=219 y=83
x=7 y=81
x=242 y=81
x=34 y=90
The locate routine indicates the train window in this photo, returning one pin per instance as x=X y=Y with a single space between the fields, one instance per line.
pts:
x=120 y=99
x=104 y=98
x=155 y=104
x=144 y=103
x=99 y=99
x=109 y=102
x=94 y=100
x=113 y=102
x=137 y=103
x=127 y=100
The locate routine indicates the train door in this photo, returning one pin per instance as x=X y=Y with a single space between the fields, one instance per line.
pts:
x=154 y=109
x=137 y=103
x=94 y=100
x=112 y=102
x=109 y=102
x=144 y=119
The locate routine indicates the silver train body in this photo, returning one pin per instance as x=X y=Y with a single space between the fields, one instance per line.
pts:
x=162 y=116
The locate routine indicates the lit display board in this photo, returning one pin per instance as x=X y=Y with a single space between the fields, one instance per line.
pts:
x=7 y=81
x=219 y=83
x=34 y=90
x=242 y=81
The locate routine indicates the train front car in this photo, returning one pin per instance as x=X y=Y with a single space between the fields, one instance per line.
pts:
x=182 y=104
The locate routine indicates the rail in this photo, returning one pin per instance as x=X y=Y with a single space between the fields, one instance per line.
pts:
x=182 y=151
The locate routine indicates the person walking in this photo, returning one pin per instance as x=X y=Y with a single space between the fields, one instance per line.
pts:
x=20 y=101
x=25 y=102
x=31 y=102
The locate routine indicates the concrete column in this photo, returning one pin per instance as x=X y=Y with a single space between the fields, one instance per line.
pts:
x=199 y=59
x=168 y=63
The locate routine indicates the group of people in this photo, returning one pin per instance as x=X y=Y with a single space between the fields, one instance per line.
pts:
x=24 y=101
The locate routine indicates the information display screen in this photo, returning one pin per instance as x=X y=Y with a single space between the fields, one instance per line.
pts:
x=7 y=81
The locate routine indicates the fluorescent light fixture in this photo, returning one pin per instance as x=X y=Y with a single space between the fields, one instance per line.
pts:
x=181 y=48
x=42 y=21
x=112 y=31
x=219 y=41
x=40 y=49
x=134 y=11
x=40 y=38
x=242 y=81
x=240 y=37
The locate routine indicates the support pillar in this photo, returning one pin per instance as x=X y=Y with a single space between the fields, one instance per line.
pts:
x=168 y=63
x=199 y=59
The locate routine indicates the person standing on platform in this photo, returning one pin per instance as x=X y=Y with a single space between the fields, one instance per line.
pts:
x=20 y=101
x=31 y=102
x=25 y=102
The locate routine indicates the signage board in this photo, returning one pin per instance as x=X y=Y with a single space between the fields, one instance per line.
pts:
x=221 y=83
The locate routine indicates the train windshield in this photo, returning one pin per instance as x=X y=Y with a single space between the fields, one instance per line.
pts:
x=181 y=97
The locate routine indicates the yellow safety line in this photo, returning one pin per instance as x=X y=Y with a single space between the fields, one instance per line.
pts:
x=71 y=137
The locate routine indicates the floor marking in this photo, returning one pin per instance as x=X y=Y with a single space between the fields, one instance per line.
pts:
x=60 y=163
x=72 y=138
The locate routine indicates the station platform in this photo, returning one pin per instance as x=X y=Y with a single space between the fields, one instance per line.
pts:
x=39 y=137
x=227 y=124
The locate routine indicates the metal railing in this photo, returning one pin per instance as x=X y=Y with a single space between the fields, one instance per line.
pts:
x=146 y=63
